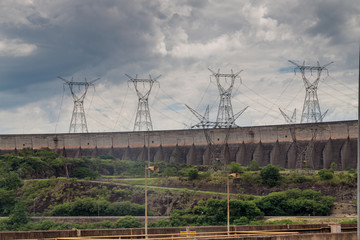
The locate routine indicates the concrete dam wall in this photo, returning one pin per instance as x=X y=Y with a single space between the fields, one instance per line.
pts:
x=315 y=145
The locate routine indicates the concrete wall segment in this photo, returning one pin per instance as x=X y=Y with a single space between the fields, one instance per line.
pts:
x=335 y=142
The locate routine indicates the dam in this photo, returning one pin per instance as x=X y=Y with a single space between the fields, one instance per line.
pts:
x=320 y=144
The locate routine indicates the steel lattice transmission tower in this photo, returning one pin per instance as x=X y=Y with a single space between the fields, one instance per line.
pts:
x=311 y=112
x=78 y=119
x=225 y=117
x=143 y=88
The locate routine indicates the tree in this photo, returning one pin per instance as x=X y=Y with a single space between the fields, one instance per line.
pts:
x=193 y=174
x=236 y=168
x=254 y=165
x=19 y=215
x=270 y=175
x=10 y=181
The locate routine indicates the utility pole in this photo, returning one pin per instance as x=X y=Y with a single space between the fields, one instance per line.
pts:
x=143 y=88
x=311 y=112
x=78 y=119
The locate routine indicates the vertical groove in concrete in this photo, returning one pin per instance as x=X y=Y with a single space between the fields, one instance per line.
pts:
x=127 y=154
x=177 y=155
x=226 y=154
x=258 y=154
x=111 y=151
x=276 y=157
x=78 y=153
x=207 y=156
x=328 y=154
x=159 y=154
x=310 y=152
x=346 y=153
x=94 y=153
x=143 y=154
x=241 y=155
x=191 y=157
x=292 y=155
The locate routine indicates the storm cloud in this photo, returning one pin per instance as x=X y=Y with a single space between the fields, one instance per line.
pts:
x=43 y=39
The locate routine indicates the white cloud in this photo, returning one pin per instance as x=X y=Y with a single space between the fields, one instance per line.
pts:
x=15 y=48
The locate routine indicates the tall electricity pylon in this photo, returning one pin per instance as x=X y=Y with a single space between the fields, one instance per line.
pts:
x=225 y=117
x=311 y=112
x=143 y=118
x=78 y=119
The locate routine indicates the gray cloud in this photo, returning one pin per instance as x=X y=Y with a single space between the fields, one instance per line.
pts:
x=42 y=39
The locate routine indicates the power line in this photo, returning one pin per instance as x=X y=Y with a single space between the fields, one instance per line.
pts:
x=61 y=102
x=122 y=105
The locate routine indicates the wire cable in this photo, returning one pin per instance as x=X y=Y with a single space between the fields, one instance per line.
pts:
x=61 y=103
x=121 y=108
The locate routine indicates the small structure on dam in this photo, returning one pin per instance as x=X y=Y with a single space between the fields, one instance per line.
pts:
x=278 y=145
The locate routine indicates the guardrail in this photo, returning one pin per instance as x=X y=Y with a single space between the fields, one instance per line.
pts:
x=184 y=235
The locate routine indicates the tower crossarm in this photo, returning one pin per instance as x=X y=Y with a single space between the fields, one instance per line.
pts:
x=219 y=75
x=311 y=109
x=143 y=118
x=78 y=119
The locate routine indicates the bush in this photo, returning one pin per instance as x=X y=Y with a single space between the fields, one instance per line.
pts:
x=270 y=175
x=18 y=216
x=7 y=201
x=236 y=168
x=161 y=223
x=242 y=221
x=216 y=210
x=295 y=202
x=87 y=206
x=193 y=174
x=84 y=172
x=10 y=181
x=254 y=165
x=128 y=222
x=251 y=178
x=326 y=174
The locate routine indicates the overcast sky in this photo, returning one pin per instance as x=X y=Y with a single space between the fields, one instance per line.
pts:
x=43 y=39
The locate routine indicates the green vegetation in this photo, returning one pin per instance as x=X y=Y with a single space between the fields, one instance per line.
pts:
x=294 y=202
x=92 y=207
x=270 y=175
x=39 y=182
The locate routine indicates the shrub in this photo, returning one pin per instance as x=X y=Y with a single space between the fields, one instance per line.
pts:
x=270 y=175
x=326 y=174
x=250 y=178
x=254 y=165
x=193 y=174
x=18 y=216
x=7 y=201
x=84 y=172
x=241 y=221
x=295 y=202
x=87 y=206
x=333 y=166
x=161 y=223
x=10 y=181
x=236 y=168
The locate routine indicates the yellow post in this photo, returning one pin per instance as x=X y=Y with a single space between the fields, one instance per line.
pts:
x=228 y=204
x=146 y=230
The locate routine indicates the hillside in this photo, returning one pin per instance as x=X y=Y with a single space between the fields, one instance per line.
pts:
x=43 y=184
